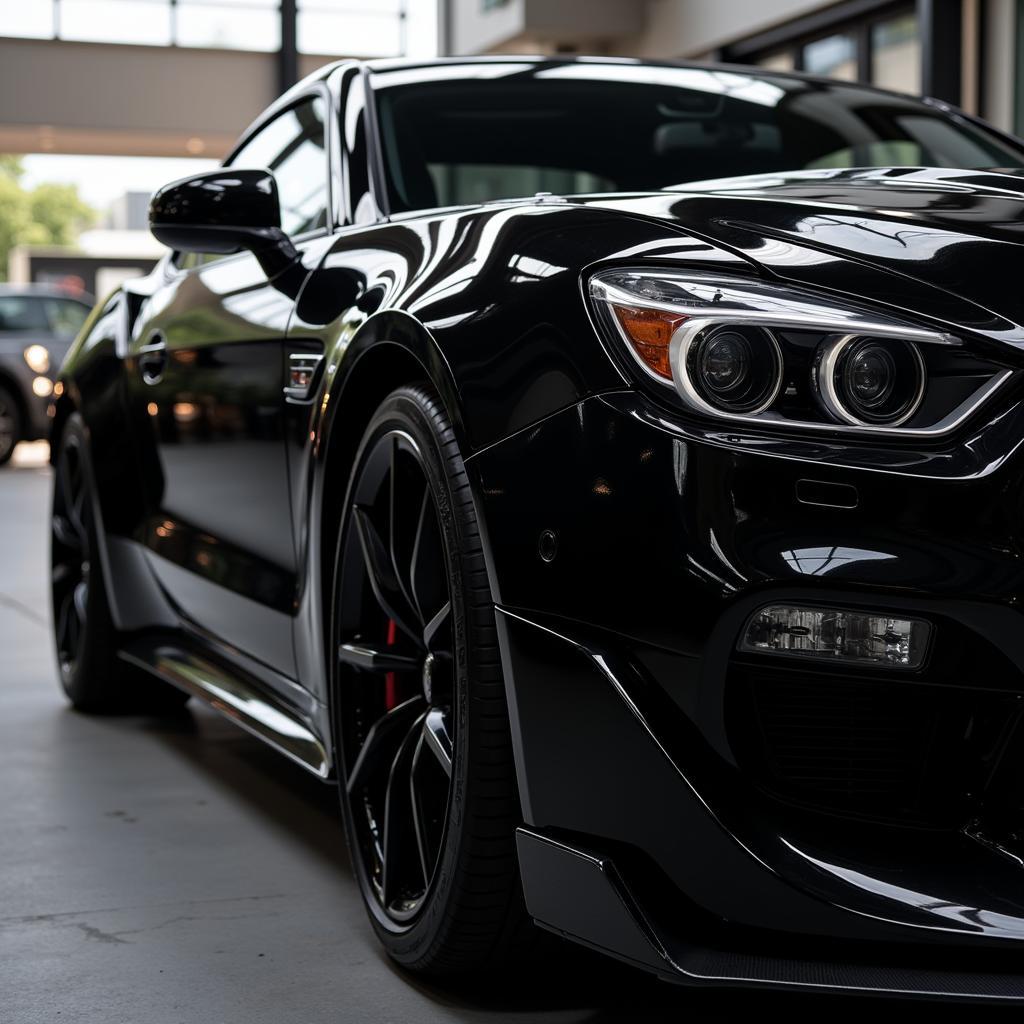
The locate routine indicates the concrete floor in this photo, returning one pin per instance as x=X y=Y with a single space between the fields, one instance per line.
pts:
x=154 y=872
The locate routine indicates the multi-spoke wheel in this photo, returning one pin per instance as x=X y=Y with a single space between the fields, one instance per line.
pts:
x=10 y=424
x=426 y=773
x=85 y=639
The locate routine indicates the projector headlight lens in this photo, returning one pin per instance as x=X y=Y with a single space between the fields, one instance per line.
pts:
x=867 y=382
x=830 y=634
x=734 y=369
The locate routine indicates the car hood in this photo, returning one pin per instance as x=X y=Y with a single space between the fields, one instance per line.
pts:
x=947 y=244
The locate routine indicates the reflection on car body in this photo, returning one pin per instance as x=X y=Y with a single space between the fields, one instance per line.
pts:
x=608 y=474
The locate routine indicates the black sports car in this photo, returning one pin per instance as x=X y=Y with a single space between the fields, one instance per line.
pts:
x=607 y=474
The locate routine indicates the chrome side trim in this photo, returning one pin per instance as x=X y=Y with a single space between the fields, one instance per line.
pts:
x=236 y=699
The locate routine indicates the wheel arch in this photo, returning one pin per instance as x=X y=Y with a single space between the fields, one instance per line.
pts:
x=392 y=349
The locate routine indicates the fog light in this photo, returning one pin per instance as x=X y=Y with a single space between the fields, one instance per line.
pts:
x=834 y=635
x=42 y=386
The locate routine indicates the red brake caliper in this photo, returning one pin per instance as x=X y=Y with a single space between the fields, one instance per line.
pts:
x=390 y=683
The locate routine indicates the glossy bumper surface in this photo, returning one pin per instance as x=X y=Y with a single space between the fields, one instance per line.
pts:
x=785 y=801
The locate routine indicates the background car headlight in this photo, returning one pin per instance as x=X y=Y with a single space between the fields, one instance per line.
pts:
x=746 y=349
x=38 y=358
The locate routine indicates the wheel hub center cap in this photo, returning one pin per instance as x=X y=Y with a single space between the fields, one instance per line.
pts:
x=428 y=677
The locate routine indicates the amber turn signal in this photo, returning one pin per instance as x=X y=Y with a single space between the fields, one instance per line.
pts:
x=650 y=332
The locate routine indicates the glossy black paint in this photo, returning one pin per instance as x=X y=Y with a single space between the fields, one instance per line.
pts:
x=220 y=211
x=220 y=500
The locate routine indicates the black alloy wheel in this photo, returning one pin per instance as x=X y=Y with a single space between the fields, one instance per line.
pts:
x=10 y=425
x=396 y=643
x=86 y=641
x=419 y=701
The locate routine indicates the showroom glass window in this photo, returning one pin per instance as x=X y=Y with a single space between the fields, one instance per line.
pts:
x=355 y=28
x=293 y=147
x=883 y=51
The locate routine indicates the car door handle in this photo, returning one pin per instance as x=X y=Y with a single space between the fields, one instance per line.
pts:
x=153 y=359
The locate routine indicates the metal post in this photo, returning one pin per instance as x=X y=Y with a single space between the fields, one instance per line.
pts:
x=444 y=27
x=940 y=22
x=288 y=57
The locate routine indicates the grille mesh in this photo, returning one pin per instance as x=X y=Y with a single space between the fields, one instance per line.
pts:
x=888 y=751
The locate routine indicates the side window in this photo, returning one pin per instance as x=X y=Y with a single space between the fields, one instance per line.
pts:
x=293 y=147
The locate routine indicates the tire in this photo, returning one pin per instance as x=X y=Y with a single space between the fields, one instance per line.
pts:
x=414 y=685
x=11 y=427
x=86 y=641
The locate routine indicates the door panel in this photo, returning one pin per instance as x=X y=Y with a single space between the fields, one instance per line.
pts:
x=208 y=367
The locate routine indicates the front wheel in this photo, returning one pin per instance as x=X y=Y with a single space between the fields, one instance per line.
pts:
x=425 y=762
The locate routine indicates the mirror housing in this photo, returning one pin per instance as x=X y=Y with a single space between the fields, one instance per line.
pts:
x=221 y=211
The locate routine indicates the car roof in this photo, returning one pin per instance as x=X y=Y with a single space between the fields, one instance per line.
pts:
x=386 y=64
x=44 y=291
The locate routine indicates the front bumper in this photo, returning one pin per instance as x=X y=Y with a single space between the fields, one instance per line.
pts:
x=36 y=420
x=747 y=804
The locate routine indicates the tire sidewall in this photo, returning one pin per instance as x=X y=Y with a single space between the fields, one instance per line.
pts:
x=410 y=943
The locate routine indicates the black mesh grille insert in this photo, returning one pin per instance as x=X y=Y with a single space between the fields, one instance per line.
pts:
x=880 y=749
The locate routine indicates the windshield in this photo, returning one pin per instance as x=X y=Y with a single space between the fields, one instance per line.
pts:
x=464 y=134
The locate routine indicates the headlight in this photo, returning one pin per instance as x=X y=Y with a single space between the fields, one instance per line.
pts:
x=732 y=369
x=744 y=349
x=865 y=381
x=38 y=358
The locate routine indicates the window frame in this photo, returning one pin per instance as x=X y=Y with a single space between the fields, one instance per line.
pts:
x=271 y=114
x=318 y=89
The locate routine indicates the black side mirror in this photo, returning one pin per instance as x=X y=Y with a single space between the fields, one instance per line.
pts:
x=221 y=211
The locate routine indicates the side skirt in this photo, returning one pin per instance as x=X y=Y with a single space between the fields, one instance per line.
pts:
x=235 y=696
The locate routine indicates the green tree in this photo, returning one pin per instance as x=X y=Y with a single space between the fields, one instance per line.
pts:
x=11 y=166
x=48 y=214
x=60 y=211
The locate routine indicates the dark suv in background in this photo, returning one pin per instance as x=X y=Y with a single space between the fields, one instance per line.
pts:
x=37 y=325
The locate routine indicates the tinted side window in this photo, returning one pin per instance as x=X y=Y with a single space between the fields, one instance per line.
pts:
x=293 y=147
x=22 y=313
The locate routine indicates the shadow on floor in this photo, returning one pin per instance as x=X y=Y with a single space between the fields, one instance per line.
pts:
x=569 y=982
